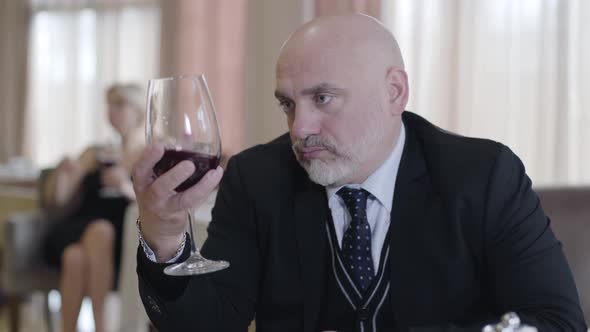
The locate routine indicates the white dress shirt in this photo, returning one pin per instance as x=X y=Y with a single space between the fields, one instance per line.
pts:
x=381 y=186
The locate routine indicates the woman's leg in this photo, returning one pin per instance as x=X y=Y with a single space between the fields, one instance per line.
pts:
x=98 y=242
x=72 y=285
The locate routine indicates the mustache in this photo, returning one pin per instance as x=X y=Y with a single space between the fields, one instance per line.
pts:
x=314 y=141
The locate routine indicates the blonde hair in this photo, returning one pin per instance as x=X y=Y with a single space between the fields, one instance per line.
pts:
x=133 y=93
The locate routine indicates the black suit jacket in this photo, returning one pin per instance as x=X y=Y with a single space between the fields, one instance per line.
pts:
x=469 y=241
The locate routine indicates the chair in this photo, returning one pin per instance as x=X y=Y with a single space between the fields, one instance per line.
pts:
x=569 y=211
x=24 y=270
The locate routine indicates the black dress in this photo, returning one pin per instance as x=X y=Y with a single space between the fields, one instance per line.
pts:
x=92 y=206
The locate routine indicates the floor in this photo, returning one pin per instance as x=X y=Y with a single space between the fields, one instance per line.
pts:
x=32 y=316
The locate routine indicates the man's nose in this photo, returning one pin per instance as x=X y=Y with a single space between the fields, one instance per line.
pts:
x=306 y=122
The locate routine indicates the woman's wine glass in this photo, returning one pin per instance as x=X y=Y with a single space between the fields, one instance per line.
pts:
x=181 y=117
x=107 y=156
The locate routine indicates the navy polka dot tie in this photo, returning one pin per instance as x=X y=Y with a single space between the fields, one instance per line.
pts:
x=356 y=244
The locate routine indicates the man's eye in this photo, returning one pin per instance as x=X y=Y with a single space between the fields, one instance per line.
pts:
x=286 y=105
x=322 y=99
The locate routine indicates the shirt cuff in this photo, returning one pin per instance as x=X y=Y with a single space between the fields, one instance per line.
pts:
x=152 y=257
x=149 y=252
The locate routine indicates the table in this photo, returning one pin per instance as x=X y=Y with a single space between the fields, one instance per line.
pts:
x=19 y=181
x=14 y=199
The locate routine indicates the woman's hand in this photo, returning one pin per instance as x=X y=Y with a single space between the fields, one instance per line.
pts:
x=118 y=179
x=68 y=165
x=115 y=177
x=63 y=181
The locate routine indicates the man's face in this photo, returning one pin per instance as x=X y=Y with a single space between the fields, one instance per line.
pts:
x=334 y=113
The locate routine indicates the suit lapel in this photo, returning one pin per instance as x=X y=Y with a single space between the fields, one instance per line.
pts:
x=409 y=204
x=311 y=211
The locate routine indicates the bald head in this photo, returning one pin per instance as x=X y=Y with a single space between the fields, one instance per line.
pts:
x=364 y=39
x=343 y=88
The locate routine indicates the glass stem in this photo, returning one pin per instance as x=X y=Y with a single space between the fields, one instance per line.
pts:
x=192 y=234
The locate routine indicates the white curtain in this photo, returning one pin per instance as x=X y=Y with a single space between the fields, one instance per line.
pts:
x=76 y=52
x=514 y=71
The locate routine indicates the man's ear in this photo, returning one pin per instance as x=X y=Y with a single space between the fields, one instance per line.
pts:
x=397 y=89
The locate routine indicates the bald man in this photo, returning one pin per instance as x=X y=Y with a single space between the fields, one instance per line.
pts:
x=362 y=218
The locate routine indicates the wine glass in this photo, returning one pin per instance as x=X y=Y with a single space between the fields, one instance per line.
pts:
x=108 y=156
x=181 y=117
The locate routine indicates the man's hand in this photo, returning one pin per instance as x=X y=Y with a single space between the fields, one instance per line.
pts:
x=162 y=210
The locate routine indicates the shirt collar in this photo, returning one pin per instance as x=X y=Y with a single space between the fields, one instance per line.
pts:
x=381 y=183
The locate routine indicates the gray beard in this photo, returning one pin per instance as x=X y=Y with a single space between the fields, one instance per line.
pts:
x=343 y=168
x=333 y=174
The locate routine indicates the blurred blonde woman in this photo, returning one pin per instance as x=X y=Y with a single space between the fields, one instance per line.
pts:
x=94 y=190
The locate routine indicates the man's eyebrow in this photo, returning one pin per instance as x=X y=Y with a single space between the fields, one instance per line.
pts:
x=322 y=87
x=319 y=88
x=280 y=95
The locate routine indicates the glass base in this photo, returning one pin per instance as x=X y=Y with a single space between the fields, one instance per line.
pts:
x=195 y=265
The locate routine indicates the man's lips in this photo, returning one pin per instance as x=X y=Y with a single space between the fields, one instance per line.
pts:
x=311 y=152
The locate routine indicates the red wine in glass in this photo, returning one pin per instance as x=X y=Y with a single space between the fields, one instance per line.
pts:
x=108 y=192
x=106 y=163
x=108 y=155
x=203 y=163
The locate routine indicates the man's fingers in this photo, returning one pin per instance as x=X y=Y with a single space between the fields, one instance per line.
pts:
x=143 y=169
x=198 y=193
x=165 y=184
